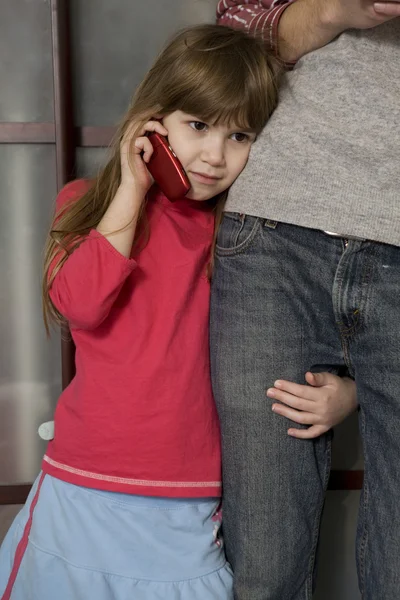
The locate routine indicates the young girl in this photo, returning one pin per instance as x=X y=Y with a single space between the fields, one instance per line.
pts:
x=127 y=504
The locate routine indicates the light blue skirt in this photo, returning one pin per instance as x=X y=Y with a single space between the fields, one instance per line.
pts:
x=75 y=543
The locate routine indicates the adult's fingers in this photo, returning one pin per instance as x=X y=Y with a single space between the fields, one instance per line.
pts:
x=389 y=9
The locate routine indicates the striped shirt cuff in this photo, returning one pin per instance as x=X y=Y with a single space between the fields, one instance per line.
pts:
x=266 y=25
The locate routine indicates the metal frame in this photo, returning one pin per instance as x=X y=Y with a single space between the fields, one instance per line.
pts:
x=66 y=138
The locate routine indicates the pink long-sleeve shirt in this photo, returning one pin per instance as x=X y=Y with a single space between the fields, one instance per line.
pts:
x=139 y=415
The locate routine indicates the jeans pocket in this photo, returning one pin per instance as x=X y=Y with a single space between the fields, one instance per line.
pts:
x=236 y=233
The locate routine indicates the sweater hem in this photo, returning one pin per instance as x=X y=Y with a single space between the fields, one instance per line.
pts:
x=376 y=228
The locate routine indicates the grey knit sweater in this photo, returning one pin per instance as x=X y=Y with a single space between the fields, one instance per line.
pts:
x=330 y=156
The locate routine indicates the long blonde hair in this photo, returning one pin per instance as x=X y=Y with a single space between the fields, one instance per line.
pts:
x=218 y=74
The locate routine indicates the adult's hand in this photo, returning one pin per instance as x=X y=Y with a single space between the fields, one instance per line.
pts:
x=307 y=25
x=355 y=14
x=388 y=9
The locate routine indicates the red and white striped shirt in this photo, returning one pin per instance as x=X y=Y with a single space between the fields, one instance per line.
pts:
x=258 y=17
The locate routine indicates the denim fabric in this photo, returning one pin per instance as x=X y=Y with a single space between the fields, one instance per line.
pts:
x=284 y=299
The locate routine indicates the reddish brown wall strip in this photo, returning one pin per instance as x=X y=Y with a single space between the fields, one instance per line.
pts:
x=339 y=480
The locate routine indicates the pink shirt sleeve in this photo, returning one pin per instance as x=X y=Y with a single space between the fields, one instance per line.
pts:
x=257 y=17
x=88 y=283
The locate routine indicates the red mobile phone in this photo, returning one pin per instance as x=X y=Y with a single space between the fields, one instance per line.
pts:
x=166 y=169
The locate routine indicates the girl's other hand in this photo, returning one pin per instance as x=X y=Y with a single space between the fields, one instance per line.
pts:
x=135 y=156
x=325 y=402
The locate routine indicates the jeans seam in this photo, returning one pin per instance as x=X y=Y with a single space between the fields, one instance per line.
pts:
x=236 y=236
x=222 y=252
x=363 y=507
x=316 y=528
x=344 y=340
x=343 y=333
x=349 y=332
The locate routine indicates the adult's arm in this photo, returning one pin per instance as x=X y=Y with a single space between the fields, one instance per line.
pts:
x=292 y=28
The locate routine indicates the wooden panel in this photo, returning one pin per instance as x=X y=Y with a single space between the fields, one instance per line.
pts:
x=64 y=136
x=45 y=133
x=339 y=480
x=94 y=137
x=63 y=113
x=27 y=133
x=14 y=494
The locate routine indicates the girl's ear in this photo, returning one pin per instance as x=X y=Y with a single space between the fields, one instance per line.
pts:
x=161 y=119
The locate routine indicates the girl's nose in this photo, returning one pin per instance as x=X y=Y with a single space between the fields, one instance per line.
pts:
x=213 y=153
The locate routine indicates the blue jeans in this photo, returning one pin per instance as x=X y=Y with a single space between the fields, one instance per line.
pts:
x=286 y=298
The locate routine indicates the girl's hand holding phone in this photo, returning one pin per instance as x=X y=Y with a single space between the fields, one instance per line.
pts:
x=118 y=224
x=135 y=156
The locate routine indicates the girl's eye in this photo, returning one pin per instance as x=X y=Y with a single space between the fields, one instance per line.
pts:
x=240 y=137
x=198 y=125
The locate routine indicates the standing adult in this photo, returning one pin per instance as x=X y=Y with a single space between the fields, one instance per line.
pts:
x=288 y=295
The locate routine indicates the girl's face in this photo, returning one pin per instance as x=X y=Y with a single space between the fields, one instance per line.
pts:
x=212 y=155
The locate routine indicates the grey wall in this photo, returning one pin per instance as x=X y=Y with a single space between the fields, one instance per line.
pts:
x=113 y=45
